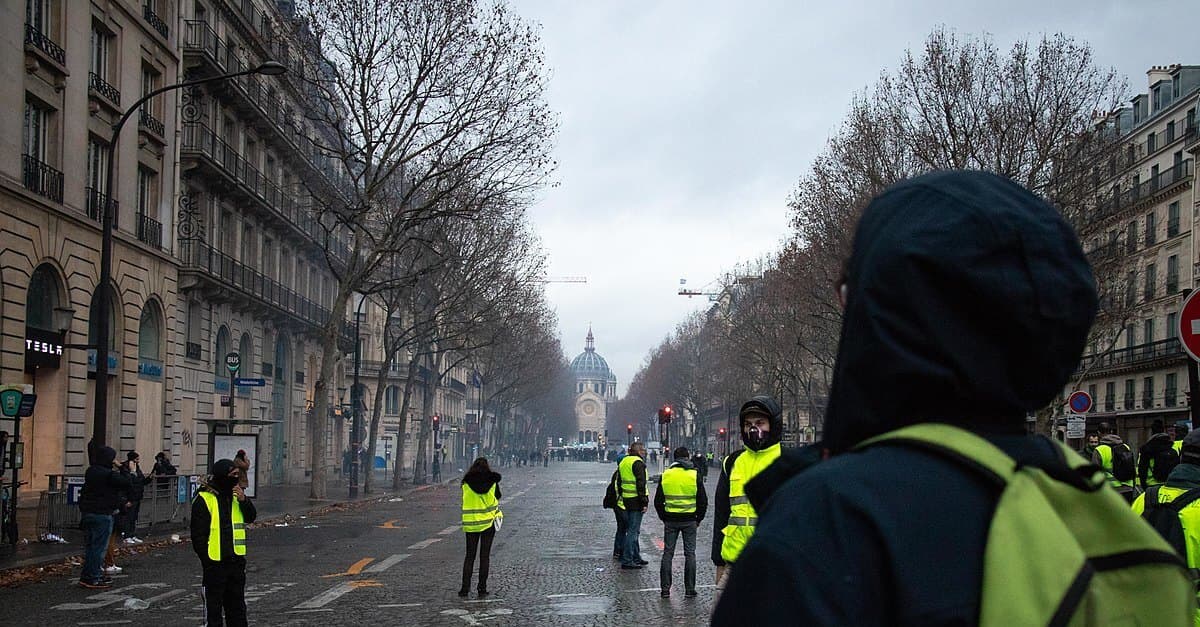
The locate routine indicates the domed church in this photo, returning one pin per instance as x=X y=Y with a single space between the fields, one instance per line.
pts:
x=595 y=388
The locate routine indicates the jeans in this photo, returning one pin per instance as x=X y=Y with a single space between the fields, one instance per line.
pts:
x=671 y=531
x=96 y=529
x=633 y=528
x=619 y=540
x=483 y=542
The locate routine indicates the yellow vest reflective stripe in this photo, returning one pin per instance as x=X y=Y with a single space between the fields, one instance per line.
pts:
x=1106 y=462
x=679 y=490
x=214 y=526
x=1178 y=446
x=478 y=510
x=742 y=517
x=627 y=482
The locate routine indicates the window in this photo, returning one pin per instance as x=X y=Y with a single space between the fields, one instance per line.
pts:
x=1172 y=274
x=1171 y=318
x=268 y=257
x=100 y=46
x=246 y=352
x=1151 y=143
x=1148 y=331
x=1131 y=237
x=150 y=333
x=1128 y=400
x=1151 y=229
x=1170 y=132
x=1191 y=118
x=1171 y=390
x=1147 y=392
x=37 y=15
x=33 y=134
x=1173 y=219
x=219 y=351
x=98 y=154
x=1110 y=396
x=1130 y=289
x=1092 y=393
x=195 y=313
x=1154 y=181
x=151 y=80
x=147 y=194
x=1151 y=279
x=391 y=400
x=1130 y=342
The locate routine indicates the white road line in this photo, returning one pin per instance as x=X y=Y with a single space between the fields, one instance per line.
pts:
x=489 y=600
x=425 y=543
x=401 y=605
x=323 y=599
x=108 y=622
x=386 y=564
x=559 y=596
x=449 y=530
x=312 y=611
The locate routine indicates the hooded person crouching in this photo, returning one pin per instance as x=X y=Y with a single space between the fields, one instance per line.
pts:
x=220 y=514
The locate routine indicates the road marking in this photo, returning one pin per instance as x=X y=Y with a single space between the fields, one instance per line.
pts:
x=425 y=543
x=108 y=622
x=485 y=601
x=354 y=569
x=559 y=596
x=448 y=530
x=309 y=611
x=365 y=583
x=401 y=605
x=387 y=563
x=391 y=524
x=325 y=598
x=110 y=597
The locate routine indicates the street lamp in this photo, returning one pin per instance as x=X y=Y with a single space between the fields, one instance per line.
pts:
x=100 y=414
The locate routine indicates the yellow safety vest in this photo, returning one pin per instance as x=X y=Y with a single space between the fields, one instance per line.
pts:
x=1106 y=462
x=1178 y=446
x=742 y=517
x=679 y=490
x=1189 y=519
x=627 y=486
x=478 y=510
x=214 y=526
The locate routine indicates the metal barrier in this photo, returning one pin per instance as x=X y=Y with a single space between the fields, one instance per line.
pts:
x=162 y=502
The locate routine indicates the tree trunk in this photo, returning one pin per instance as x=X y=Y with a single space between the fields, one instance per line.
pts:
x=330 y=353
x=402 y=428
x=428 y=392
x=380 y=383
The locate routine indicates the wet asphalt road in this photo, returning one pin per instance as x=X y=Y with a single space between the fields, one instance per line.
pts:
x=398 y=562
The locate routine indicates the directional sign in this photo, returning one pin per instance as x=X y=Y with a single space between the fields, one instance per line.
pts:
x=233 y=361
x=28 y=402
x=1076 y=427
x=1080 y=402
x=249 y=383
x=1189 y=325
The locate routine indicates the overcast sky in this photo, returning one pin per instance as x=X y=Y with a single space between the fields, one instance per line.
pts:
x=686 y=124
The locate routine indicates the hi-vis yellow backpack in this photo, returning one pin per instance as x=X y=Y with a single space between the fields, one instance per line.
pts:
x=1062 y=550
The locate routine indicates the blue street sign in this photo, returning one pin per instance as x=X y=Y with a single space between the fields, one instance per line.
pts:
x=249 y=383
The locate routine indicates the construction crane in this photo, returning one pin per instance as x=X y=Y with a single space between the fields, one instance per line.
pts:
x=683 y=291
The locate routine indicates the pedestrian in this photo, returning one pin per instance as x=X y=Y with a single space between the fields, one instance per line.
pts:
x=967 y=302
x=612 y=501
x=242 y=463
x=1157 y=457
x=631 y=480
x=99 y=500
x=698 y=464
x=734 y=518
x=132 y=469
x=220 y=513
x=480 y=508
x=1171 y=507
x=1116 y=458
x=681 y=503
x=1093 y=440
x=437 y=468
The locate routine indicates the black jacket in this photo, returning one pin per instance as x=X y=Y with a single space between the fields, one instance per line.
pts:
x=201 y=521
x=103 y=486
x=969 y=303
x=137 y=481
x=660 y=500
x=639 y=474
x=481 y=482
x=1157 y=443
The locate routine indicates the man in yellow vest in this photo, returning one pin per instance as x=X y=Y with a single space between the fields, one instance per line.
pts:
x=1117 y=459
x=681 y=504
x=220 y=514
x=734 y=519
x=631 y=493
x=1173 y=507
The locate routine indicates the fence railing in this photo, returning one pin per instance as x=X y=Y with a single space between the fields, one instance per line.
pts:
x=39 y=40
x=102 y=87
x=164 y=500
x=155 y=21
x=42 y=179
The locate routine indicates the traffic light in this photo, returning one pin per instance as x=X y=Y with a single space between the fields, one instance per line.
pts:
x=721 y=431
x=629 y=428
x=665 y=414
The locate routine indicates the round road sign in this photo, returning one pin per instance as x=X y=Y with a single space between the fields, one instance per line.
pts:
x=1189 y=325
x=1080 y=402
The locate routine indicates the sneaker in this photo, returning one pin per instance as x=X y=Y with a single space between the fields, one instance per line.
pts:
x=690 y=593
x=129 y=540
x=137 y=540
x=94 y=585
x=112 y=570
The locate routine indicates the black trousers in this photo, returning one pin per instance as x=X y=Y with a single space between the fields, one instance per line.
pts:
x=483 y=542
x=224 y=593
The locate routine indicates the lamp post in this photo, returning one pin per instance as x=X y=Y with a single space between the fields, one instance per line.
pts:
x=100 y=414
x=356 y=401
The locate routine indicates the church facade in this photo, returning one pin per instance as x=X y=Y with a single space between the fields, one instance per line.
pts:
x=595 y=390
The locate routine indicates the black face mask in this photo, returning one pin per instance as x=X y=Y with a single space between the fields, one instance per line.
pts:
x=224 y=482
x=756 y=438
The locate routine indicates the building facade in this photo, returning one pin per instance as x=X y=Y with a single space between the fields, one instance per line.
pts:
x=595 y=390
x=1144 y=215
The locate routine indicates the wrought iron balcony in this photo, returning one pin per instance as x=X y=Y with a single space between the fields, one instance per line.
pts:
x=155 y=21
x=1162 y=350
x=151 y=123
x=1113 y=204
x=41 y=179
x=101 y=86
x=149 y=230
x=95 y=205
x=41 y=41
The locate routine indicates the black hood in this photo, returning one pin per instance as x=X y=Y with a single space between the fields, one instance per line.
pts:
x=764 y=405
x=481 y=481
x=105 y=456
x=220 y=475
x=969 y=303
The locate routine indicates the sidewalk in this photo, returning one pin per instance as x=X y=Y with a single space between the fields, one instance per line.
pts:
x=273 y=502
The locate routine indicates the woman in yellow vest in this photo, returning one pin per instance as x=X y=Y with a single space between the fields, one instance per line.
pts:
x=734 y=518
x=480 y=505
x=220 y=514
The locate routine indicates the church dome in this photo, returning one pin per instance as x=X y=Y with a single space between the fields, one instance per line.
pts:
x=590 y=365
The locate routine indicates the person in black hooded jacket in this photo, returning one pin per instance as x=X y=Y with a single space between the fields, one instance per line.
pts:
x=967 y=300
x=221 y=547
x=1157 y=457
x=102 y=495
x=481 y=501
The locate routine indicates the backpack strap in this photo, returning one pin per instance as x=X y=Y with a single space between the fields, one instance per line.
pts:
x=1150 y=500
x=1181 y=501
